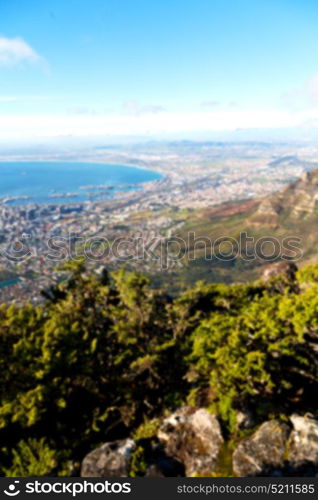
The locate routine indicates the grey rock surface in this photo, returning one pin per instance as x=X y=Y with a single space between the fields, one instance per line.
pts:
x=109 y=460
x=194 y=438
x=303 y=443
x=263 y=452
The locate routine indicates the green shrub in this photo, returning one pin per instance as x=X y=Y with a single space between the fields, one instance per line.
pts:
x=258 y=356
x=32 y=458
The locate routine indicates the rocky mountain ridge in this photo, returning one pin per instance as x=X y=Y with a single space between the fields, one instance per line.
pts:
x=297 y=201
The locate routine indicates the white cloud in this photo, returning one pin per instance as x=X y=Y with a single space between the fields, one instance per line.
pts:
x=15 y=50
x=27 y=127
x=137 y=109
x=210 y=104
x=79 y=110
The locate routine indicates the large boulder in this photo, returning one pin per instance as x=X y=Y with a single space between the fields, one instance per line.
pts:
x=276 y=449
x=115 y=459
x=303 y=445
x=109 y=460
x=263 y=453
x=194 y=438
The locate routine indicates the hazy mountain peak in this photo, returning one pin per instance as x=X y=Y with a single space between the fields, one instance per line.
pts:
x=297 y=200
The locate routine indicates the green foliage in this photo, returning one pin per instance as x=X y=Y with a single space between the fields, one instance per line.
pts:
x=147 y=429
x=308 y=274
x=104 y=358
x=88 y=366
x=32 y=458
x=258 y=356
x=138 y=464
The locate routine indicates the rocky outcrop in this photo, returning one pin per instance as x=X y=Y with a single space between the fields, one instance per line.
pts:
x=109 y=460
x=276 y=449
x=284 y=268
x=190 y=443
x=303 y=445
x=194 y=438
x=263 y=452
x=296 y=201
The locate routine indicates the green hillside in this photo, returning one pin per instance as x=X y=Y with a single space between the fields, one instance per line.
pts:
x=289 y=216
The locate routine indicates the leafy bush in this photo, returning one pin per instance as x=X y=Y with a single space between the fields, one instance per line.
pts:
x=32 y=458
x=258 y=356
x=90 y=365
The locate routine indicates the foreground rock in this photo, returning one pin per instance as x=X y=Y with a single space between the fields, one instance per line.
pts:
x=277 y=449
x=193 y=437
x=189 y=442
x=115 y=459
x=109 y=460
x=264 y=452
x=303 y=446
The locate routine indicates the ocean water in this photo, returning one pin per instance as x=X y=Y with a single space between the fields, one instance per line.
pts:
x=3 y=284
x=47 y=182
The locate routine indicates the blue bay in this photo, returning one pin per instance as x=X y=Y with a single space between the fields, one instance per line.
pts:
x=44 y=182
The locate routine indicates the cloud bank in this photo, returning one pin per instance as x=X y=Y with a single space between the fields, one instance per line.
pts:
x=16 y=127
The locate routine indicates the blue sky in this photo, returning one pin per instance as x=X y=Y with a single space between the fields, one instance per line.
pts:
x=135 y=67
